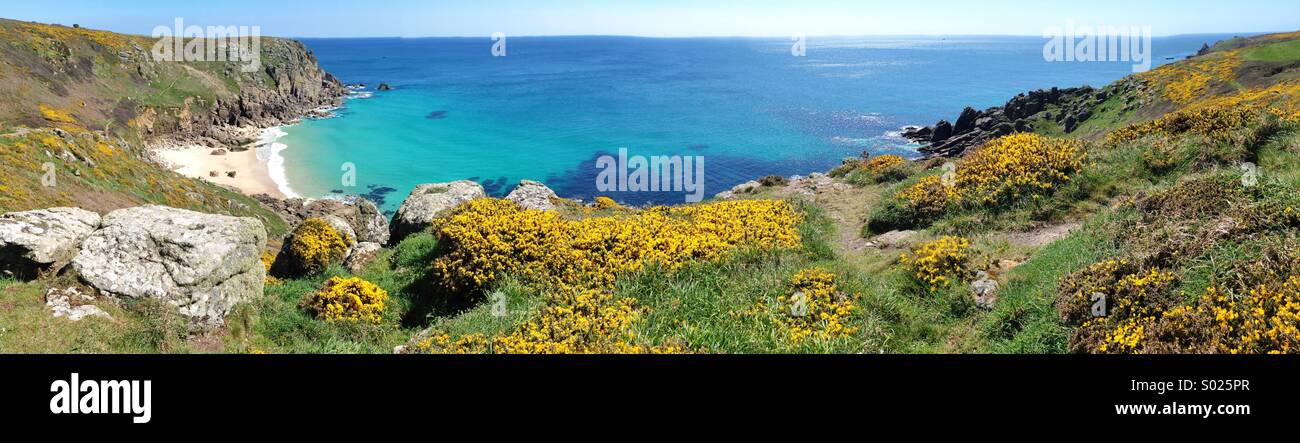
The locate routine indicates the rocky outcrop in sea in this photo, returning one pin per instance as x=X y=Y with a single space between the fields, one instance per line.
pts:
x=1068 y=107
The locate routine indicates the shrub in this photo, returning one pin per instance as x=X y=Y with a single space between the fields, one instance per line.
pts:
x=1193 y=79
x=1262 y=320
x=350 y=299
x=1160 y=158
x=1016 y=166
x=1126 y=298
x=890 y=215
x=1210 y=120
x=577 y=322
x=575 y=264
x=1000 y=172
x=816 y=308
x=940 y=263
x=926 y=201
x=312 y=247
x=607 y=203
x=883 y=163
x=488 y=238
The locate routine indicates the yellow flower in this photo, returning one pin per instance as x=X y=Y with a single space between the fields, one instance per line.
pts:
x=350 y=299
x=936 y=264
x=576 y=262
x=815 y=308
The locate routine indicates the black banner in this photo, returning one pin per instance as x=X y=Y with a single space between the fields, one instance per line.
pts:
x=189 y=391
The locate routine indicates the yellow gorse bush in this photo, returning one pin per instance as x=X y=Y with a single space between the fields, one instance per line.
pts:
x=1205 y=120
x=929 y=197
x=58 y=117
x=816 y=308
x=349 y=299
x=940 y=263
x=589 y=321
x=883 y=163
x=1264 y=321
x=315 y=245
x=1003 y=170
x=607 y=203
x=490 y=238
x=1214 y=115
x=1016 y=166
x=1191 y=79
x=575 y=264
x=268 y=260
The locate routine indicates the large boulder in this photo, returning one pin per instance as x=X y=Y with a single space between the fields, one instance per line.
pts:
x=366 y=220
x=429 y=202
x=361 y=256
x=533 y=195
x=203 y=264
x=36 y=241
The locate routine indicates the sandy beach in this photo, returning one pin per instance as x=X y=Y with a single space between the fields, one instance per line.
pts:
x=251 y=173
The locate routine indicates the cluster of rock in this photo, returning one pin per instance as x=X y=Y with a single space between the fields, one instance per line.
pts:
x=205 y=264
x=202 y=264
x=429 y=202
x=363 y=217
x=974 y=127
x=807 y=186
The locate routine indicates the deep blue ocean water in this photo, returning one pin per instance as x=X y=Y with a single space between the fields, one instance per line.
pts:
x=552 y=105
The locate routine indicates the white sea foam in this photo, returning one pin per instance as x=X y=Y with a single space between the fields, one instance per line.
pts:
x=269 y=150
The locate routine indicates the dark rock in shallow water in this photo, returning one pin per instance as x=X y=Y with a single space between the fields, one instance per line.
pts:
x=974 y=127
x=495 y=187
x=918 y=134
x=378 y=194
x=436 y=115
x=385 y=87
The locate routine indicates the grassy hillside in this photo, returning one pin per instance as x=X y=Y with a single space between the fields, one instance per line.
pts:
x=80 y=106
x=1175 y=206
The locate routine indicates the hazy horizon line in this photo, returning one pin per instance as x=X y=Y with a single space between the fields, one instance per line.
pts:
x=700 y=36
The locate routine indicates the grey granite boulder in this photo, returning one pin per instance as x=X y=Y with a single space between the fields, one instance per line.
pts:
x=429 y=202
x=367 y=221
x=985 y=291
x=35 y=241
x=362 y=255
x=203 y=264
x=533 y=195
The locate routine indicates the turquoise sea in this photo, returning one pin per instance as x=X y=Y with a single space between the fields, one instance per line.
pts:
x=552 y=105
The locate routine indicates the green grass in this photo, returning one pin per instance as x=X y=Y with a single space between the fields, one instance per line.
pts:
x=1274 y=52
x=1025 y=320
x=27 y=326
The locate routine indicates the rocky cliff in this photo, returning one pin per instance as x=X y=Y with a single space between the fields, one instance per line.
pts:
x=79 y=109
x=76 y=78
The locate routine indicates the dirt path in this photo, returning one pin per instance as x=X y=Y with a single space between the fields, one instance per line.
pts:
x=844 y=204
x=1043 y=236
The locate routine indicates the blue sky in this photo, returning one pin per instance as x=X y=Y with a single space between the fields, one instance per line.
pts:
x=663 y=18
